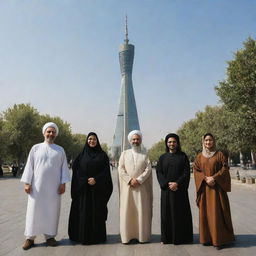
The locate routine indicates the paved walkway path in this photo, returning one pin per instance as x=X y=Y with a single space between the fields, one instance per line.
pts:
x=12 y=220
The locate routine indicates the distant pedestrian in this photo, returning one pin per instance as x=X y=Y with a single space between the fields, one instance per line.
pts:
x=1 y=171
x=14 y=169
x=136 y=196
x=45 y=175
x=91 y=189
x=173 y=173
x=212 y=180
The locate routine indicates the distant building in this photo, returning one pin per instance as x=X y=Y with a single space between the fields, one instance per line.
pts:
x=127 y=117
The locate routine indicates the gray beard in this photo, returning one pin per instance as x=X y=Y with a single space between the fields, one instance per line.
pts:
x=49 y=140
x=136 y=148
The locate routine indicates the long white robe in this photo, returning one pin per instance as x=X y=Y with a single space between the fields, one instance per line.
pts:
x=45 y=170
x=135 y=203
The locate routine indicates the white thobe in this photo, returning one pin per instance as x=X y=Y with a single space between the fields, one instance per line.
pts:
x=135 y=203
x=45 y=170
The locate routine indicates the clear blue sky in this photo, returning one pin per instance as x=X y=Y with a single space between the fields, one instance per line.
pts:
x=61 y=56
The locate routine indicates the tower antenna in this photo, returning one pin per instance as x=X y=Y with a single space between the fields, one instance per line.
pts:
x=126 y=30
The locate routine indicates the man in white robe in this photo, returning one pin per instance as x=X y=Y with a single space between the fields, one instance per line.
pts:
x=45 y=175
x=136 y=196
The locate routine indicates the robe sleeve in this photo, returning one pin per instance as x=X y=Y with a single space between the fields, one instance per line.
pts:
x=199 y=178
x=65 y=176
x=198 y=173
x=183 y=180
x=222 y=176
x=74 y=182
x=121 y=169
x=104 y=181
x=28 y=173
x=102 y=176
x=160 y=175
x=147 y=172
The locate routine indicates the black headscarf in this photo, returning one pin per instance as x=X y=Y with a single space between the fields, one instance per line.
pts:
x=91 y=162
x=176 y=137
x=91 y=151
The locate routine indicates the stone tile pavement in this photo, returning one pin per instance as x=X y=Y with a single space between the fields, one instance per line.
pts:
x=13 y=201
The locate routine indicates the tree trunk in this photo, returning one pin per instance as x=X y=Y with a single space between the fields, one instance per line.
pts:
x=241 y=159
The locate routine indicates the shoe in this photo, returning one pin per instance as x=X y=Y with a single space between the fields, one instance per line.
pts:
x=51 y=242
x=207 y=244
x=219 y=247
x=28 y=244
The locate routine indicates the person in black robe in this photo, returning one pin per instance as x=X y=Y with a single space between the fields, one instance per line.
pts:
x=173 y=174
x=91 y=189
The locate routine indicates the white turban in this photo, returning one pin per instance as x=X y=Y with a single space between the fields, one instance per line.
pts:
x=134 y=132
x=51 y=124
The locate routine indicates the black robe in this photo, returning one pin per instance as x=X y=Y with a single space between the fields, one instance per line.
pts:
x=176 y=218
x=88 y=213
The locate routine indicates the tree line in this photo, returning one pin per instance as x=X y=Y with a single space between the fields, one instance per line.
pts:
x=21 y=128
x=232 y=122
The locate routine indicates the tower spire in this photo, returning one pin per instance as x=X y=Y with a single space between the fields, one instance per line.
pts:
x=126 y=30
x=127 y=116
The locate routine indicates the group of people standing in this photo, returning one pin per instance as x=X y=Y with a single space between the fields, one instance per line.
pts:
x=46 y=173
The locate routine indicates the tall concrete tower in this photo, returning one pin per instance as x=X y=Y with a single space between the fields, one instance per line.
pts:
x=127 y=117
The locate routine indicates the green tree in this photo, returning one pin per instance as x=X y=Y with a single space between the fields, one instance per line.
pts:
x=238 y=92
x=21 y=130
x=2 y=141
x=105 y=148
x=156 y=151
x=217 y=120
x=190 y=134
x=78 y=142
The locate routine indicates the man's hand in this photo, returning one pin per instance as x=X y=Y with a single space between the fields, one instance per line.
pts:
x=134 y=183
x=210 y=181
x=62 y=188
x=28 y=188
x=91 y=181
x=173 y=186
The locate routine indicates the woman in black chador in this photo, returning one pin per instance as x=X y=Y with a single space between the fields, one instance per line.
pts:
x=91 y=189
x=173 y=174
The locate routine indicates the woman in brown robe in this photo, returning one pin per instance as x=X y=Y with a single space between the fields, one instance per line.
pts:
x=212 y=181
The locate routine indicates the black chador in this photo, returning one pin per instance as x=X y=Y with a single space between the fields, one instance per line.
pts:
x=88 y=214
x=176 y=218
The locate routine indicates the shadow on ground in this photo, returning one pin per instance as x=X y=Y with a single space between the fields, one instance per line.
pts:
x=245 y=241
x=115 y=239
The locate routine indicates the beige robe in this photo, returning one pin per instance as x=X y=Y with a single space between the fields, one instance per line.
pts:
x=135 y=203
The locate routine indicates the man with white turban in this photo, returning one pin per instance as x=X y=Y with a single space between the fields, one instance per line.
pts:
x=136 y=196
x=45 y=175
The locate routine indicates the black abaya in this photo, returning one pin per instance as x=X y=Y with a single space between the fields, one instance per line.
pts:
x=176 y=218
x=88 y=214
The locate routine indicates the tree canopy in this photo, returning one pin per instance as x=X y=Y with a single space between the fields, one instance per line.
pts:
x=21 y=127
x=156 y=151
x=238 y=91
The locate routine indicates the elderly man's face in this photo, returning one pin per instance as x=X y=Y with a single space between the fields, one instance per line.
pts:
x=136 y=140
x=50 y=134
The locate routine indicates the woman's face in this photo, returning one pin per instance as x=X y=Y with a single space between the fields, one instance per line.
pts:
x=92 y=141
x=208 y=142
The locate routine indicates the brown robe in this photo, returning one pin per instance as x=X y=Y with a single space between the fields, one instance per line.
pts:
x=215 y=224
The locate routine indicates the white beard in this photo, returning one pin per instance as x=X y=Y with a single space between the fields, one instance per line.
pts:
x=136 y=149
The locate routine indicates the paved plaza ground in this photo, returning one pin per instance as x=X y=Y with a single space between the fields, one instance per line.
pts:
x=13 y=201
